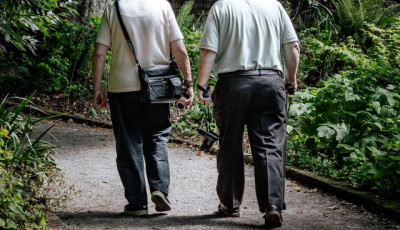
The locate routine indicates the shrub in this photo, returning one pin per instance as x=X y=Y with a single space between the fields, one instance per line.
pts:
x=352 y=15
x=315 y=15
x=63 y=61
x=184 y=18
x=349 y=127
x=325 y=56
x=26 y=23
x=348 y=130
x=26 y=170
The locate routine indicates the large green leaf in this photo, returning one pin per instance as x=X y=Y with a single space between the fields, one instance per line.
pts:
x=341 y=131
x=376 y=106
x=325 y=132
x=387 y=112
x=10 y=224
x=350 y=96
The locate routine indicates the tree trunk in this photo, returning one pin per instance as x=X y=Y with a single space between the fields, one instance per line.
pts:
x=87 y=8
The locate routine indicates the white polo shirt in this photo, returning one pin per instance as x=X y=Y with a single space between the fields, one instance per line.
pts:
x=247 y=34
x=151 y=25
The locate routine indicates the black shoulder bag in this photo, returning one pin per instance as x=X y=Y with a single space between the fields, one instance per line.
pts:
x=162 y=85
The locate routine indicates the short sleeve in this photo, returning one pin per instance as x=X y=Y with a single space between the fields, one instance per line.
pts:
x=104 y=35
x=174 y=31
x=289 y=34
x=210 y=38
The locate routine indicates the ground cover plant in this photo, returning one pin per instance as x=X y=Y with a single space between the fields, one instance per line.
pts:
x=27 y=170
x=346 y=126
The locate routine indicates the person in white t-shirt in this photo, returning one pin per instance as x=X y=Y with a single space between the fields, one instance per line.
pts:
x=141 y=129
x=243 y=38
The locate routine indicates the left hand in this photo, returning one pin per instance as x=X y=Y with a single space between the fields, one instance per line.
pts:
x=99 y=99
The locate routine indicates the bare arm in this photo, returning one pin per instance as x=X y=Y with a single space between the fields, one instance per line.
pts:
x=99 y=57
x=206 y=63
x=179 y=50
x=292 y=56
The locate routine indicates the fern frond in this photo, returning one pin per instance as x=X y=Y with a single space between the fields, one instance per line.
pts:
x=354 y=14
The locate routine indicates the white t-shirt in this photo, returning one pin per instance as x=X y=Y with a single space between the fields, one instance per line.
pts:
x=151 y=25
x=247 y=34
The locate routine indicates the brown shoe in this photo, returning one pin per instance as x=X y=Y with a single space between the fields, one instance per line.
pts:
x=273 y=216
x=224 y=211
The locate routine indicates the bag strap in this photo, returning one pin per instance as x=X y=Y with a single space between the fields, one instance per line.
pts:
x=128 y=40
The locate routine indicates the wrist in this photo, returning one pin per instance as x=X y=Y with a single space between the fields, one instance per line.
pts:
x=204 y=89
x=98 y=91
x=205 y=85
x=187 y=83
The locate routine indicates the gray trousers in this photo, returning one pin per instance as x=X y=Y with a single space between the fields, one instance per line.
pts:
x=258 y=102
x=141 y=133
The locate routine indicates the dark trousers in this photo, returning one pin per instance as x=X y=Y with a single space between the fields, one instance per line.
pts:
x=258 y=102
x=141 y=132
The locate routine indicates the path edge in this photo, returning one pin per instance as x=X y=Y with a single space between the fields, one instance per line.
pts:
x=370 y=201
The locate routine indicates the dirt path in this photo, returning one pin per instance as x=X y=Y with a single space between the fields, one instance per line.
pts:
x=87 y=157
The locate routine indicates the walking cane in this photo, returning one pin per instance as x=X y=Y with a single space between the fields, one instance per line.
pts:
x=209 y=136
x=290 y=91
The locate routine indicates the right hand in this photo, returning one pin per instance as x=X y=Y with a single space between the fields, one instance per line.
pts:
x=202 y=99
x=292 y=83
x=187 y=102
x=99 y=99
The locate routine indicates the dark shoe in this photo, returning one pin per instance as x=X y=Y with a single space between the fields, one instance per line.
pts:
x=161 y=201
x=273 y=216
x=224 y=211
x=129 y=210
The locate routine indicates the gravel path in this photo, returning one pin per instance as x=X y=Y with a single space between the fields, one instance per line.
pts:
x=87 y=157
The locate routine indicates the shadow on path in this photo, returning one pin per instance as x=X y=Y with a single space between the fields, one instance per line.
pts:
x=101 y=219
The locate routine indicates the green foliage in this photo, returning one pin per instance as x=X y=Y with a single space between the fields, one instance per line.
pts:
x=192 y=33
x=184 y=18
x=192 y=119
x=25 y=23
x=62 y=63
x=349 y=130
x=26 y=170
x=59 y=63
x=316 y=16
x=374 y=47
x=191 y=40
x=323 y=56
x=349 y=127
x=354 y=14
x=71 y=50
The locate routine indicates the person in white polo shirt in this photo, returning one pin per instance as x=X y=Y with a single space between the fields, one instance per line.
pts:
x=244 y=40
x=141 y=129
